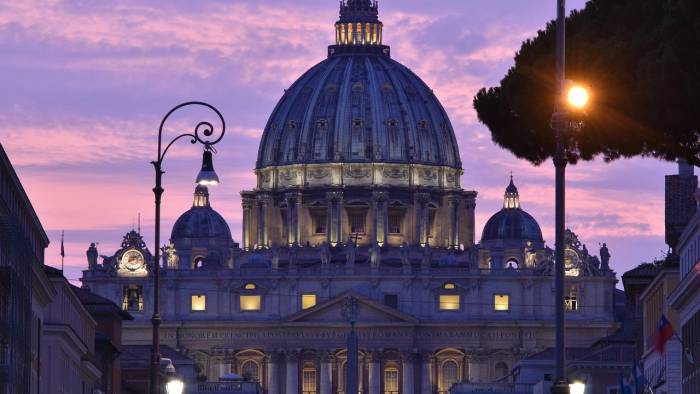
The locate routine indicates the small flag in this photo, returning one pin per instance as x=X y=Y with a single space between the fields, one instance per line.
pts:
x=664 y=332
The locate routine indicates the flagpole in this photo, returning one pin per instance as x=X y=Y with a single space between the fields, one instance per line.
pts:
x=63 y=251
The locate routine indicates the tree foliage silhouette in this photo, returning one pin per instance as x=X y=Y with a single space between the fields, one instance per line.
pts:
x=641 y=59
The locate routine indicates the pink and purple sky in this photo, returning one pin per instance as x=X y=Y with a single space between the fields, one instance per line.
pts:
x=86 y=83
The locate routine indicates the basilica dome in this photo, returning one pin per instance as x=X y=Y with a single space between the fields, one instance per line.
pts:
x=512 y=222
x=201 y=221
x=358 y=106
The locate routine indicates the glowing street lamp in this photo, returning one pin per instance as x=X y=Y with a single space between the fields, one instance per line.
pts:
x=577 y=388
x=577 y=96
x=176 y=386
x=207 y=176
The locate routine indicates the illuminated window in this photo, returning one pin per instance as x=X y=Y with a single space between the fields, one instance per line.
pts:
x=449 y=286
x=358 y=34
x=449 y=302
x=368 y=38
x=250 y=286
x=350 y=37
x=199 y=302
x=342 y=34
x=501 y=302
x=571 y=300
x=308 y=301
x=391 y=380
x=250 y=302
x=308 y=379
x=450 y=374
x=250 y=370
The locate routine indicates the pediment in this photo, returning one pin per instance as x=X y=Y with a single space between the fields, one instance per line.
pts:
x=368 y=311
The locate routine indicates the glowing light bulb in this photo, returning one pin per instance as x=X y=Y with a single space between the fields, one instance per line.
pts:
x=577 y=97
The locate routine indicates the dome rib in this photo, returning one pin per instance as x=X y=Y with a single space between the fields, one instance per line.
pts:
x=377 y=108
x=409 y=129
x=341 y=121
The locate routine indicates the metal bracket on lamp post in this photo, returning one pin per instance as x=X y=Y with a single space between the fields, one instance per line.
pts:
x=202 y=133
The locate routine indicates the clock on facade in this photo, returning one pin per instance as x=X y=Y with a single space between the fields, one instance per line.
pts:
x=132 y=260
x=571 y=261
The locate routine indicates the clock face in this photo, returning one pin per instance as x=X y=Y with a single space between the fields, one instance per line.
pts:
x=132 y=260
x=571 y=260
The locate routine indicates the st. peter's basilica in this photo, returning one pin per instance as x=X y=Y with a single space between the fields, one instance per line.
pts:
x=358 y=202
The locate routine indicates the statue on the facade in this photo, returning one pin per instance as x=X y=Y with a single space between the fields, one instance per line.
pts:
x=545 y=266
x=530 y=256
x=92 y=254
x=427 y=258
x=109 y=264
x=275 y=251
x=405 y=256
x=604 y=258
x=375 y=255
x=350 y=253
x=172 y=260
x=325 y=251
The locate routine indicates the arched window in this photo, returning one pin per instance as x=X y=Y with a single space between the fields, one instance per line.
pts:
x=391 y=380
x=250 y=370
x=250 y=286
x=308 y=379
x=512 y=264
x=450 y=374
x=501 y=369
x=198 y=262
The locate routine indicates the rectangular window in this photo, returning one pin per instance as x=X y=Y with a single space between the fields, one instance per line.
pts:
x=357 y=222
x=391 y=300
x=308 y=301
x=250 y=302
x=319 y=219
x=308 y=376
x=391 y=381
x=199 y=303
x=501 y=302
x=449 y=302
x=395 y=222
x=571 y=299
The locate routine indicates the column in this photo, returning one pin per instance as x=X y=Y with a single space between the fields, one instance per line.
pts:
x=273 y=372
x=298 y=231
x=247 y=204
x=262 y=202
x=290 y=200
x=453 y=205
x=379 y=216
x=326 y=370
x=333 y=217
x=421 y=212
x=407 y=379
x=292 y=380
x=375 y=374
x=339 y=217
x=426 y=385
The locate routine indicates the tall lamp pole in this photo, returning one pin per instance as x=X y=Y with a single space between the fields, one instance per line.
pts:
x=203 y=133
x=568 y=117
x=561 y=385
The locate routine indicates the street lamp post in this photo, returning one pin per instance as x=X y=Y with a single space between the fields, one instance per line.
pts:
x=203 y=133
x=570 y=99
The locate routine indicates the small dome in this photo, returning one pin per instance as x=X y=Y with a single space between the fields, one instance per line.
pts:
x=511 y=222
x=201 y=221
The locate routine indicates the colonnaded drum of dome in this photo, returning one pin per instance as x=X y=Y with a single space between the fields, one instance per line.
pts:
x=359 y=201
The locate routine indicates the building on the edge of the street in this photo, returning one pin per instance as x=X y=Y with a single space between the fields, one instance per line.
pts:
x=24 y=289
x=69 y=363
x=686 y=300
x=108 y=337
x=662 y=370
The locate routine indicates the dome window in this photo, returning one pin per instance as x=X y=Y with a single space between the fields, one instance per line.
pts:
x=449 y=286
x=250 y=286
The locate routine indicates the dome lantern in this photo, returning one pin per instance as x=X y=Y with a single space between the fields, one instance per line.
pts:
x=511 y=199
x=359 y=24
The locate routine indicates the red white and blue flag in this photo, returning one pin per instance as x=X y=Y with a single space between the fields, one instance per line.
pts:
x=664 y=332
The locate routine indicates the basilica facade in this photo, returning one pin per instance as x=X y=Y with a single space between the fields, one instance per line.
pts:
x=358 y=210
